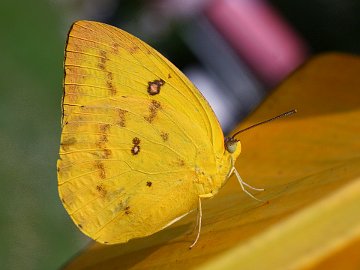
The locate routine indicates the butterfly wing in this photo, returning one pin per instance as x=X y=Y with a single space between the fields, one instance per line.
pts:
x=133 y=126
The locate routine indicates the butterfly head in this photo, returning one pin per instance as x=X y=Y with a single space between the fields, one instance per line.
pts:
x=232 y=145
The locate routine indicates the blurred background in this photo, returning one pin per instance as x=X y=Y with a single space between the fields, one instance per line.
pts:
x=235 y=51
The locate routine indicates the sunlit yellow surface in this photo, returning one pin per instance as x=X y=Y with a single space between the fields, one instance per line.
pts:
x=308 y=164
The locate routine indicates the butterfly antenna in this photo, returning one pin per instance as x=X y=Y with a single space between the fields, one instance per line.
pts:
x=266 y=121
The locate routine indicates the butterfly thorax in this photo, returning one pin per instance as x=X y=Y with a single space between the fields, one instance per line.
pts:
x=212 y=172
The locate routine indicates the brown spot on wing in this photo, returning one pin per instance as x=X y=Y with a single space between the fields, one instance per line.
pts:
x=136 y=141
x=164 y=136
x=100 y=166
x=116 y=47
x=119 y=206
x=169 y=76
x=103 y=139
x=122 y=120
x=110 y=84
x=127 y=210
x=106 y=153
x=104 y=128
x=148 y=51
x=101 y=189
x=148 y=183
x=67 y=143
x=180 y=162
x=153 y=109
x=103 y=56
x=102 y=59
x=154 y=86
x=133 y=48
x=135 y=149
x=80 y=226
x=111 y=87
x=103 y=153
x=110 y=76
x=101 y=66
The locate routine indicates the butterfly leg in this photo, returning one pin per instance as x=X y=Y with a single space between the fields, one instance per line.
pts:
x=253 y=188
x=231 y=172
x=197 y=219
x=232 y=168
x=198 y=224
x=242 y=184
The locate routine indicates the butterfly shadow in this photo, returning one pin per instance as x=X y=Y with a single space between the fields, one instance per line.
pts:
x=126 y=255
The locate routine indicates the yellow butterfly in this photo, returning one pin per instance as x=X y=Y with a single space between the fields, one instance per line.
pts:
x=140 y=146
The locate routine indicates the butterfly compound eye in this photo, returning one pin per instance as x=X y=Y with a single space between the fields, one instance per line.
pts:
x=231 y=144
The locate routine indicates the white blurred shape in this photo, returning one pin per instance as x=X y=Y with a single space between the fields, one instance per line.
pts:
x=223 y=105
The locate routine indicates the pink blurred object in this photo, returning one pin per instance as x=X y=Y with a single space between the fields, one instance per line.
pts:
x=259 y=34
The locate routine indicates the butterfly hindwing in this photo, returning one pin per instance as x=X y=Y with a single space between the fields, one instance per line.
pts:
x=131 y=130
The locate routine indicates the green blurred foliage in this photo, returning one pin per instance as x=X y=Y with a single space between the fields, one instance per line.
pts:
x=34 y=229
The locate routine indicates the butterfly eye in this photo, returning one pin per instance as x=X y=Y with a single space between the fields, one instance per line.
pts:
x=231 y=144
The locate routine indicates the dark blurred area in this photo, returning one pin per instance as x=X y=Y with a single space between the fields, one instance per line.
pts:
x=235 y=51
